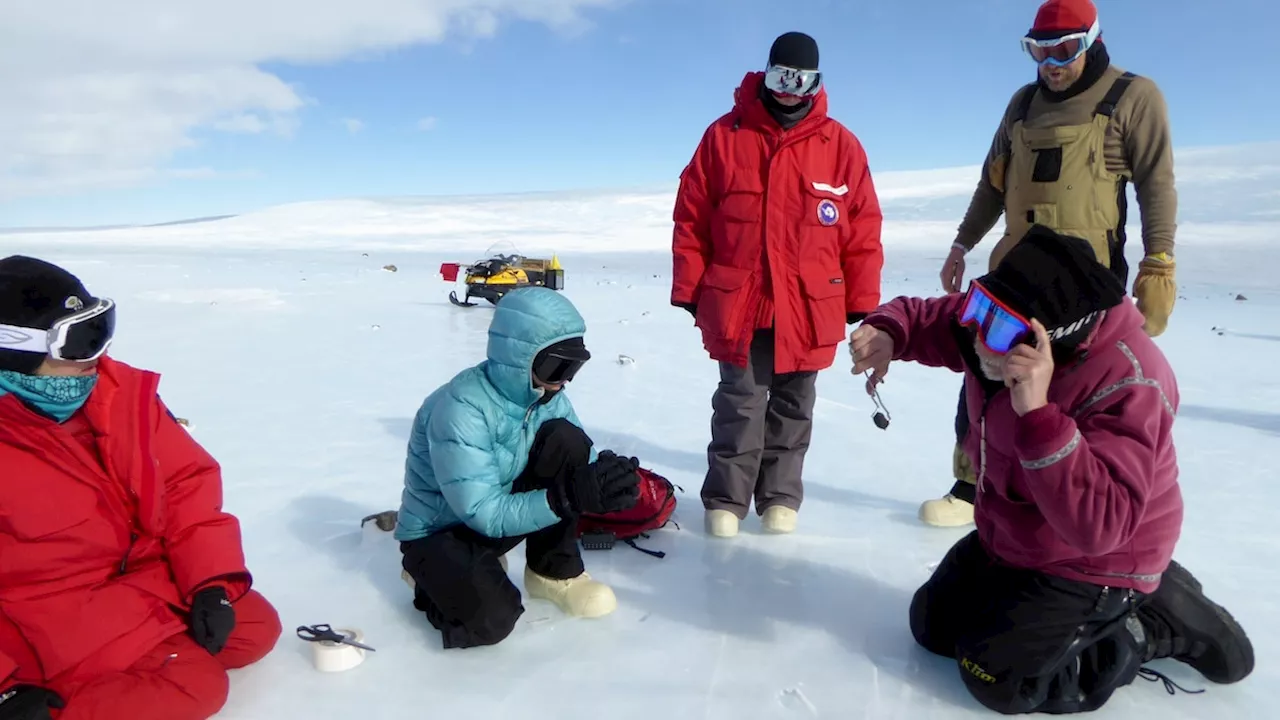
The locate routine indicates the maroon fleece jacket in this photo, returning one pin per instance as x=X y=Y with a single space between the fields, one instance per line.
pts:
x=1086 y=487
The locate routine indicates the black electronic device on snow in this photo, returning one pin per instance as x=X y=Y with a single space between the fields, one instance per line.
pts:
x=598 y=540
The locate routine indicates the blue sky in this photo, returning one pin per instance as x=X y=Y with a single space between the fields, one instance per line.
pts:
x=623 y=102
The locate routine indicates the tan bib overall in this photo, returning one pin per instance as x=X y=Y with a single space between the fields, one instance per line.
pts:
x=1058 y=177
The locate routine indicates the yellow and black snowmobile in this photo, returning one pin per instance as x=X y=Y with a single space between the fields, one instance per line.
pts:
x=491 y=279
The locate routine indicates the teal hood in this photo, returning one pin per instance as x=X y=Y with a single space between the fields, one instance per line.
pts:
x=472 y=436
x=526 y=321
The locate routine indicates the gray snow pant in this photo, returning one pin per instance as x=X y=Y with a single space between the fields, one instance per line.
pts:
x=760 y=428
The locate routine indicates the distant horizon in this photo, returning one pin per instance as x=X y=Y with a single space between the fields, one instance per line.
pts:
x=1263 y=155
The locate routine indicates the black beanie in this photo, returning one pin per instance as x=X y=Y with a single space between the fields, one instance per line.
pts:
x=1057 y=280
x=34 y=294
x=794 y=50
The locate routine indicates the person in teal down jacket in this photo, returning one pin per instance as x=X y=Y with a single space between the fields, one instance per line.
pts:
x=497 y=456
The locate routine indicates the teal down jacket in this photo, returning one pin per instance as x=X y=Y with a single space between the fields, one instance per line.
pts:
x=471 y=437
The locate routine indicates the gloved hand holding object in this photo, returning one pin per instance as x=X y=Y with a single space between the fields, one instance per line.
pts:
x=610 y=484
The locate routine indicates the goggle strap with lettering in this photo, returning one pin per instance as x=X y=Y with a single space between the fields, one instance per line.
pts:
x=80 y=337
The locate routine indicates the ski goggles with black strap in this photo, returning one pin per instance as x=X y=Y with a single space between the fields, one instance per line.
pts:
x=83 y=336
x=999 y=327
x=556 y=367
x=785 y=80
x=1062 y=50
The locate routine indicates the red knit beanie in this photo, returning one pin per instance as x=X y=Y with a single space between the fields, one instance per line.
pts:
x=1059 y=17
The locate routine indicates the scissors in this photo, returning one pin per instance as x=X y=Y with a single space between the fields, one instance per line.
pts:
x=881 y=417
x=320 y=633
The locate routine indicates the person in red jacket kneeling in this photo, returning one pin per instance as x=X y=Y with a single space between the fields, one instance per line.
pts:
x=123 y=586
x=776 y=249
x=1067 y=586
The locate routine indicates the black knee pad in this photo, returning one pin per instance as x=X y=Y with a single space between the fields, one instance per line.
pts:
x=561 y=437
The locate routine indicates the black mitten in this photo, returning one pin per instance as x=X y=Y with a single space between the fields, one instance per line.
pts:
x=212 y=619
x=28 y=702
x=690 y=307
x=609 y=484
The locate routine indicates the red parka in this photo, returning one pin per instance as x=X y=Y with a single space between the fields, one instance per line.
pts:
x=109 y=524
x=1086 y=487
x=776 y=228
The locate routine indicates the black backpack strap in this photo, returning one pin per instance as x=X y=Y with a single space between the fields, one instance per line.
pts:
x=1023 y=106
x=1112 y=98
x=652 y=553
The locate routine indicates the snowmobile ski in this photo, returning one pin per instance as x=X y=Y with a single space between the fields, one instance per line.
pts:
x=453 y=298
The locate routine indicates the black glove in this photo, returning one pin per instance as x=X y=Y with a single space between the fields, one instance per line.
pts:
x=607 y=485
x=693 y=309
x=854 y=318
x=28 y=702
x=212 y=619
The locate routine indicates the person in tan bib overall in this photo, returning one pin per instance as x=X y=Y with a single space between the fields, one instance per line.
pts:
x=1062 y=157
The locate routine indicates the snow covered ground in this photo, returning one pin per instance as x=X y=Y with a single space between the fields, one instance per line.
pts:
x=300 y=362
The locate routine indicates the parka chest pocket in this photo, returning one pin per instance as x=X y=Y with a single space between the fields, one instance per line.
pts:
x=34 y=513
x=736 y=228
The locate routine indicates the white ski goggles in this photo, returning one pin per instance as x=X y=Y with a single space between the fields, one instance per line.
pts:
x=792 y=81
x=1063 y=50
x=83 y=336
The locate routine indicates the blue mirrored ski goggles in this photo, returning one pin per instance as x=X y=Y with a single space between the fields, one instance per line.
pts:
x=998 y=327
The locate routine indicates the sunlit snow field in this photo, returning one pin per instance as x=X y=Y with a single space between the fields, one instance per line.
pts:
x=300 y=362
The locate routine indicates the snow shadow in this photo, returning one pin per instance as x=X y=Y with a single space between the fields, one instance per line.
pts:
x=695 y=463
x=399 y=427
x=1265 y=421
x=331 y=525
x=738 y=591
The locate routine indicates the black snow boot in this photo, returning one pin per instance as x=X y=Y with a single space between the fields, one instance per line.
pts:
x=1181 y=623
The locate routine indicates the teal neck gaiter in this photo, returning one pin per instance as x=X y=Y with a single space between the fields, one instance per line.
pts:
x=56 y=396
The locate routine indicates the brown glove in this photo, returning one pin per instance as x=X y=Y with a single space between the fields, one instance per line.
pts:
x=1156 y=291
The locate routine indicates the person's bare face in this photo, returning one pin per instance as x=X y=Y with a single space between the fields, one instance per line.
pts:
x=1059 y=79
x=992 y=364
x=51 y=367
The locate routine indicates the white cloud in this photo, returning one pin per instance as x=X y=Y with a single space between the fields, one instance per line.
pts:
x=100 y=94
x=353 y=125
x=427 y=123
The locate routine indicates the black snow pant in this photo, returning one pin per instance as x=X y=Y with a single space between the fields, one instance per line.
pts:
x=761 y=422
x=1025 y=641
x=461 y=584
x=965 y=487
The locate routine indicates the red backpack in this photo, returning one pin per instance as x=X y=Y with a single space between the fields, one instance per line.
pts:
x=652 y=511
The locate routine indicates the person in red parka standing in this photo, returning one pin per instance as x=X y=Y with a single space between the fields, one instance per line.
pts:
x=123 y=586
x=776 y=248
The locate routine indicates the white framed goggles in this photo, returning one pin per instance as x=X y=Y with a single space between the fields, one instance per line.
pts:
x=83 y=336
x=1063 y=50
x=792 y=81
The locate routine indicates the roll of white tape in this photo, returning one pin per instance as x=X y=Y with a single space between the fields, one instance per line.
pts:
x=329 y=656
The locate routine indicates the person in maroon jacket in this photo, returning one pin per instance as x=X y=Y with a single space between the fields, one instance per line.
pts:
x=776 y=248
x=123 y=586
x=1067 y=584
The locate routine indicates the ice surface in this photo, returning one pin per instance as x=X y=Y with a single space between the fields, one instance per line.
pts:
x=300 y=369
